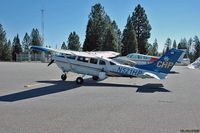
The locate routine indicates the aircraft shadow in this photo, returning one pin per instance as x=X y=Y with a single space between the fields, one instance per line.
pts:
x=174 y=72
x=151 y=88
x=60 y=86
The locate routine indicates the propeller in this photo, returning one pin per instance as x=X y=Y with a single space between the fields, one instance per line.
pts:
x=52 y=61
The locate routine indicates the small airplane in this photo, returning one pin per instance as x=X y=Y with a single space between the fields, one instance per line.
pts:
x=136 y=58
x=100 y=67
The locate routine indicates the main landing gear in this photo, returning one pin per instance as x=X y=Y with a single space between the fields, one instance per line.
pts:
x=79 y=80
x=95 y=78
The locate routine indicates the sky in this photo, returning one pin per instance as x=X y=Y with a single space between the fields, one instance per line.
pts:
x=175 y=19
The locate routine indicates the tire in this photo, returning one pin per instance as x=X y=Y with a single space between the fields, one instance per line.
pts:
x=63 y=77
x=95 y=78
x=79 y=80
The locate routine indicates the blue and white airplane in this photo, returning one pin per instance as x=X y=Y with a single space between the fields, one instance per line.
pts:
x=99 y=66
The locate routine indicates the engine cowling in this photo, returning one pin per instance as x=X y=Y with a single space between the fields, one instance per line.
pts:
x=102 y=75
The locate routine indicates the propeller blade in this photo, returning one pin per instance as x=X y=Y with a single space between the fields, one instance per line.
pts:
x=52 y=61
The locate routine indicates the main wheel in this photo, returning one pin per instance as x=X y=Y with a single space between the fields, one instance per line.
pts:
x=95 y=77
x=63 y=77
x=79 y=80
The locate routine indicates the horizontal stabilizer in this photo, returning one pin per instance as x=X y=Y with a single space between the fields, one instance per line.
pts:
x=148 y=74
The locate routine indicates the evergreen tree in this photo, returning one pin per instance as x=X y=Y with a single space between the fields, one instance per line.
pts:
x=189 y=45
x=129 y=42
x=168 y=44
x=142 y=28
x=118 y=34
x=196 y=48
x=3 y=41
x=7 y=55
x=149 y=48
x=99 y=29
x=26 y=43
x=155 y=48
x=174 y=44
x=73 y=41
x=63 y=46
x=95 y=31
x=16 y=47
x=36 y=39
x=111 y=41
x=182 y=44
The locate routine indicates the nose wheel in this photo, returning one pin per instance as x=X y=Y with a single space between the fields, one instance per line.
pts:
x=63 y=77
x=95 y=78
x=79 y=80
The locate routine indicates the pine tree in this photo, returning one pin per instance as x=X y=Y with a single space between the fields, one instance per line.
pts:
x=196 y=48
x=174 y=44
x=36 y=39
x=168 y=44
x=129 y=42
x=182 y=44
x=95 y=31
x=118 y=34
x=73 y=41
x=155 y=48
x=16 y=47
x=26 y=43
x=3 y=41
x=189 y=45
x=99 y=29
x=7 y=54
x=63 y=46
x=149 y=48
x=111 y=41
x=142 y=28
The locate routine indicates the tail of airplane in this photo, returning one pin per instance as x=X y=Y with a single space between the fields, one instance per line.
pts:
x=165 y=63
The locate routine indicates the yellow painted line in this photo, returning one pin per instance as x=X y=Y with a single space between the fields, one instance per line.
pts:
x=37 y=84
x=32 y=85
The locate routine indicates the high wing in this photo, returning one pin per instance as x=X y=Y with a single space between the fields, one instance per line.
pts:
x=106 y=54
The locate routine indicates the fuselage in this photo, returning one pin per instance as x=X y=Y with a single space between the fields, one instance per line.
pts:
x=141 y=58
x=95 y=66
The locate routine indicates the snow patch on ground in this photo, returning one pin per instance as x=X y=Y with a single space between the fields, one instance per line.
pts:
x=195 y=65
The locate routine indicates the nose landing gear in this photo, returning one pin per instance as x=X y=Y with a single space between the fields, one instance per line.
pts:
x=63 y=77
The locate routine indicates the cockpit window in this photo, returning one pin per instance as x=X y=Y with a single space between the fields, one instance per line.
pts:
x=112 y=63
x=101 y=62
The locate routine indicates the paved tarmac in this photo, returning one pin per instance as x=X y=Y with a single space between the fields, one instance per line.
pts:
x=33 y=99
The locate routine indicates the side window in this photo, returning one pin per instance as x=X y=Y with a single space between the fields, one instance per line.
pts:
x=83 y=59
x=93 y=61
x=71 y=57
x=101 y=62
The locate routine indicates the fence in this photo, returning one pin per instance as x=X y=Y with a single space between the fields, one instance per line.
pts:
x=33 y=57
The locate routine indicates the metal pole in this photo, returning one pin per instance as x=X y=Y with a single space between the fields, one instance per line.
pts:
x=42 y=28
